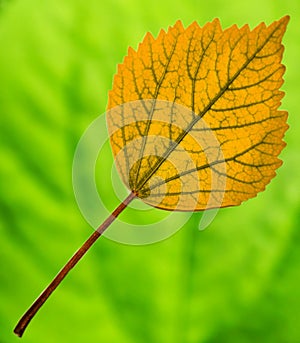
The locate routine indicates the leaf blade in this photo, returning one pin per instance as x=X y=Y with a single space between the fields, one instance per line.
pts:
x=231 y=79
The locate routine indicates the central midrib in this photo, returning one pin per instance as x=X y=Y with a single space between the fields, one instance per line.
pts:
x=148 y=176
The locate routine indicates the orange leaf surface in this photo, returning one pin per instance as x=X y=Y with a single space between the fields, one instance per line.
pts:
x=194 y=122
x=193 y=115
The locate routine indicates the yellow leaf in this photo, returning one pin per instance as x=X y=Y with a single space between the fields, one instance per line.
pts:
x=194 y=122
x=193 y=115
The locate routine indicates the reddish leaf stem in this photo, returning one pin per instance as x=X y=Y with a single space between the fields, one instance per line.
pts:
x=29 y=314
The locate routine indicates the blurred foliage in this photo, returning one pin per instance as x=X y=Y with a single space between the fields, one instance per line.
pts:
x=237 y=281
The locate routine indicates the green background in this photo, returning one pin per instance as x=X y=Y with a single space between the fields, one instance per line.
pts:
x=237 y=281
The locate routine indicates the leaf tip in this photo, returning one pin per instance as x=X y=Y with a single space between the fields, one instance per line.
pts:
x=285 y=19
